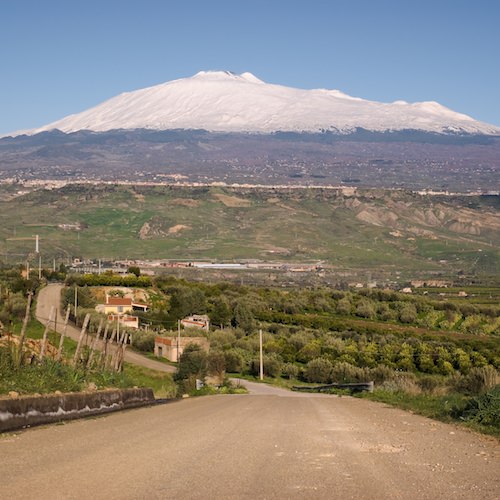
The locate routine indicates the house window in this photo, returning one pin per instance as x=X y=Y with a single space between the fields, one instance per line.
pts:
x=120 y=309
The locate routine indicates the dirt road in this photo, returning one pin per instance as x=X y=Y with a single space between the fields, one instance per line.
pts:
x=50 y=296
x=270 y=444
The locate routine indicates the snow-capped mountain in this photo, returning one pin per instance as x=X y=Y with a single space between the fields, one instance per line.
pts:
x=222 y=101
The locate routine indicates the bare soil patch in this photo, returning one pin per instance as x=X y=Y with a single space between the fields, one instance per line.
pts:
x=177 y=228
x=232 y=201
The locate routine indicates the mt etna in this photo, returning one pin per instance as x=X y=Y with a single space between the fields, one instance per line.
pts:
x=218 y=126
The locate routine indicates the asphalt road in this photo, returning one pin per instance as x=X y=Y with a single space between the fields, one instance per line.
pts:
x=51 y=296
x=270 y=444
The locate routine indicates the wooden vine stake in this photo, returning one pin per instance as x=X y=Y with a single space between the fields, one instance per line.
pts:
x=94 y=344
x=116 y=353
x=122 y=355
x=63 y=334
x=80 y=339
x=107 y=359
x=51 y=319
x=104 y=346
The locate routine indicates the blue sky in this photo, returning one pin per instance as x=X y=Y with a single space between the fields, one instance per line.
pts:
x=59 y=57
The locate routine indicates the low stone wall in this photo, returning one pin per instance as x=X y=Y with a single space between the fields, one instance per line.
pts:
x=27 y=411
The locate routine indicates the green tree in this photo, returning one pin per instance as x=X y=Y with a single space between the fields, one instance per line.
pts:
x=136 y=270
x=368 y=356
x=220 y=312
x=425 y=360
x=405 y=360
x=185 y=301
x=234 y=361
x=290 y=371
x=345 y=373
x=388 y=355
x=144 y=341
x=85 y=298
x=309 y=352
x=344 y=306
x=318 y=370
x=272 y=365
x=385 y=313
x=365 y=309
x=193 y=363
x=408 y=313
x=216 y=364
x=461 y=360
x=443 y=361
x=243 y=317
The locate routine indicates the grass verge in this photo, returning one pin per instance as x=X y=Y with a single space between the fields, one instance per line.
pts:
x=449 y=408
x=51 y=376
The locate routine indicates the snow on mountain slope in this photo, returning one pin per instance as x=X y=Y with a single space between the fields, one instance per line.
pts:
x=221 y=101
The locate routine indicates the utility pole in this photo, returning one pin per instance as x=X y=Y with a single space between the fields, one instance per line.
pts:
x=261 y=356
x=37 y=252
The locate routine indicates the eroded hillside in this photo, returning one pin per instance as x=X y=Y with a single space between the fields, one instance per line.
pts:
x=379 y=230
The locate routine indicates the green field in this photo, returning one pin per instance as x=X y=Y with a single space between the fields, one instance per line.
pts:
x=390 y=231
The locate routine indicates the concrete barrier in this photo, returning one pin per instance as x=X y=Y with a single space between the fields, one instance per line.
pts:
x=27 y=411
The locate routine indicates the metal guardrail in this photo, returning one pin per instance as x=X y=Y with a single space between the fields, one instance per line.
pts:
x=355 y=387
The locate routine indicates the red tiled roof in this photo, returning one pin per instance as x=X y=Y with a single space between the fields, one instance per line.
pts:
x=119 y=301
x=166 y=341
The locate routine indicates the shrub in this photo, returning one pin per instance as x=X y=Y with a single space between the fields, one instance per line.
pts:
x=461 y=360
x=234 y=361
x=365 y=309
x=408 y=313
x=386 y=313
x=193 y=363
x=380 y=374
x=472 y=324
x=299 y=340
x=428 y=383
x=216 y=364
x=272 y=366
x=402 y=382
x=477 y=381
x=144 y=341
x=243 y=317
x=318 y=370
x=344 y=306
x=343 y=372
x=290 y=370
x=222 y=338
x=484 y=409
x=309 y=352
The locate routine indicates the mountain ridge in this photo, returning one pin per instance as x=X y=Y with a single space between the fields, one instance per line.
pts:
x=223 y=101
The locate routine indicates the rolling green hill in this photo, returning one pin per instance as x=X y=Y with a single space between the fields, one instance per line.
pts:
x=380 y=230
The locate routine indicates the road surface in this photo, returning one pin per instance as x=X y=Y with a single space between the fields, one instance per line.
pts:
x=269 y=444
x=51 y=296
